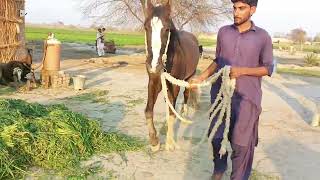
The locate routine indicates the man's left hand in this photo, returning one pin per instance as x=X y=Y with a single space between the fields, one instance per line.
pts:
x=236 y=72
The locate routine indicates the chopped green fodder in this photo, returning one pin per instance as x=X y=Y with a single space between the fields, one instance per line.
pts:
x=52 y=138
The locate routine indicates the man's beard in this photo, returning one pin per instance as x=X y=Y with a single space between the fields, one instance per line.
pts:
x=242 y=21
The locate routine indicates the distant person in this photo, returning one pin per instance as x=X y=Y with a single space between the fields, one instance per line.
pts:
x=100 y=42
x=103 y=32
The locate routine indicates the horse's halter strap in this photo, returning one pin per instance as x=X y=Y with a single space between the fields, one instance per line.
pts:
x=164 y=56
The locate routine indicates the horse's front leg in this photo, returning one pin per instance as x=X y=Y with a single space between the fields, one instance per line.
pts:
x=173 y=92
x=190 y=103
x=154 y=87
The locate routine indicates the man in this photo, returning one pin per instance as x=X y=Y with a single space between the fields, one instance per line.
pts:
x=100 y=42
x=248 y=50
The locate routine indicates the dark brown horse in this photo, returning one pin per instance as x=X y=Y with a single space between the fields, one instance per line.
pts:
x=179 y=50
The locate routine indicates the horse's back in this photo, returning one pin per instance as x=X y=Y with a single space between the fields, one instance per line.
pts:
x=186 y=62
x=188 y=38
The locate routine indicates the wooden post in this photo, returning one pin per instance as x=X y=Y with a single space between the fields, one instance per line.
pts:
x=21 y=51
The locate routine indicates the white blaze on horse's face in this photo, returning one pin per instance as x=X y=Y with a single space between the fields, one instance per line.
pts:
x=156 y=26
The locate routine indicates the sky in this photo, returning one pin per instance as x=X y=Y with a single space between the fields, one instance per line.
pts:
x=272 y=15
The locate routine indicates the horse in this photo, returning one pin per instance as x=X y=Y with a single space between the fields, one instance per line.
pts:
x=180 y=51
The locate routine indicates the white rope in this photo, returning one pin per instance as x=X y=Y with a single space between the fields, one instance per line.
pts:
x=164 y=56
x=168 y=103
x=222 y=104
x=145 y=42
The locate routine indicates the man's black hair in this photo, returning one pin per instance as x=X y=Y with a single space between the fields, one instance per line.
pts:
x=249 y=2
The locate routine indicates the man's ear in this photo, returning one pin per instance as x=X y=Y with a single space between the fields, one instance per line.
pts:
x=252 y=10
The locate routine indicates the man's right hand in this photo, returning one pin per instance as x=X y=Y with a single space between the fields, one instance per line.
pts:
x=204 y=75
x=194 y=82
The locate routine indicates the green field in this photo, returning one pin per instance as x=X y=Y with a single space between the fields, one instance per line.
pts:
x=127 y=38
x=315 y=48
x=83 y=36
x=300 y=72
x=89 y=36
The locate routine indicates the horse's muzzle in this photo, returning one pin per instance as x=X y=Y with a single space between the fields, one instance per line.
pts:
x=159 y=68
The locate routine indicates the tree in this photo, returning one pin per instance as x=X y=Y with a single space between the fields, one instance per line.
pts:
x=298 y=35
x=198 y=14
x=317 y=38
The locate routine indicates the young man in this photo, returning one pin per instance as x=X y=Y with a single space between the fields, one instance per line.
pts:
x=248 y=50
x=100 y=42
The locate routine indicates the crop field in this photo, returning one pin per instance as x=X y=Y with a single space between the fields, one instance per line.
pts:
x=88 y=36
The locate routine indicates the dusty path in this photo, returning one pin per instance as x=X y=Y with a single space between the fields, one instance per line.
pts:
x=289 y=147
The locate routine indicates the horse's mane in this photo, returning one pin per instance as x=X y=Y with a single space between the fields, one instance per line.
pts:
x=173 y=45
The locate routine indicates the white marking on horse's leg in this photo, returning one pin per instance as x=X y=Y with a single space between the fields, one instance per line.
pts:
x=185 y=110
x=156 y=25
x=170 y=142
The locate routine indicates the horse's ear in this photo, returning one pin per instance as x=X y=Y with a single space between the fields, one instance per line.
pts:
x=148 y=4
x=169 y=4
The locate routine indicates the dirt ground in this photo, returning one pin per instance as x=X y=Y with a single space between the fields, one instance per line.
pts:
x=289 y=148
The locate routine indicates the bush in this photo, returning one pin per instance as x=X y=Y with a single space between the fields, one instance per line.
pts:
x=311 y=59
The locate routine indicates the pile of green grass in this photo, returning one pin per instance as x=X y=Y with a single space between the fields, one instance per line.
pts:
x=52 y=138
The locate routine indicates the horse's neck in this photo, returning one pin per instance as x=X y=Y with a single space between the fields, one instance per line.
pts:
x=173 y=49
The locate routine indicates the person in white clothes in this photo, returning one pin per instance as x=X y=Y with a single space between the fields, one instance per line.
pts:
x=100 y=42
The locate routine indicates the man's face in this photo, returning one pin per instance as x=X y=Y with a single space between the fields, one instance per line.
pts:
x=242 y=12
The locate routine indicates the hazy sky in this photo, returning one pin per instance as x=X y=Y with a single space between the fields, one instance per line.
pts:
x=273 y=15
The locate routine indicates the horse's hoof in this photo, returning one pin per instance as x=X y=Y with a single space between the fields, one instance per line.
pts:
x=155 y=148
x=171 y=146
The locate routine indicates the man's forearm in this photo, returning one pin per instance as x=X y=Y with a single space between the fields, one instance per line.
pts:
x=259 y=71
x=208 y=72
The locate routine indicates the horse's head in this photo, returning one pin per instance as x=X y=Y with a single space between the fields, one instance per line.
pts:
x=157 y=26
